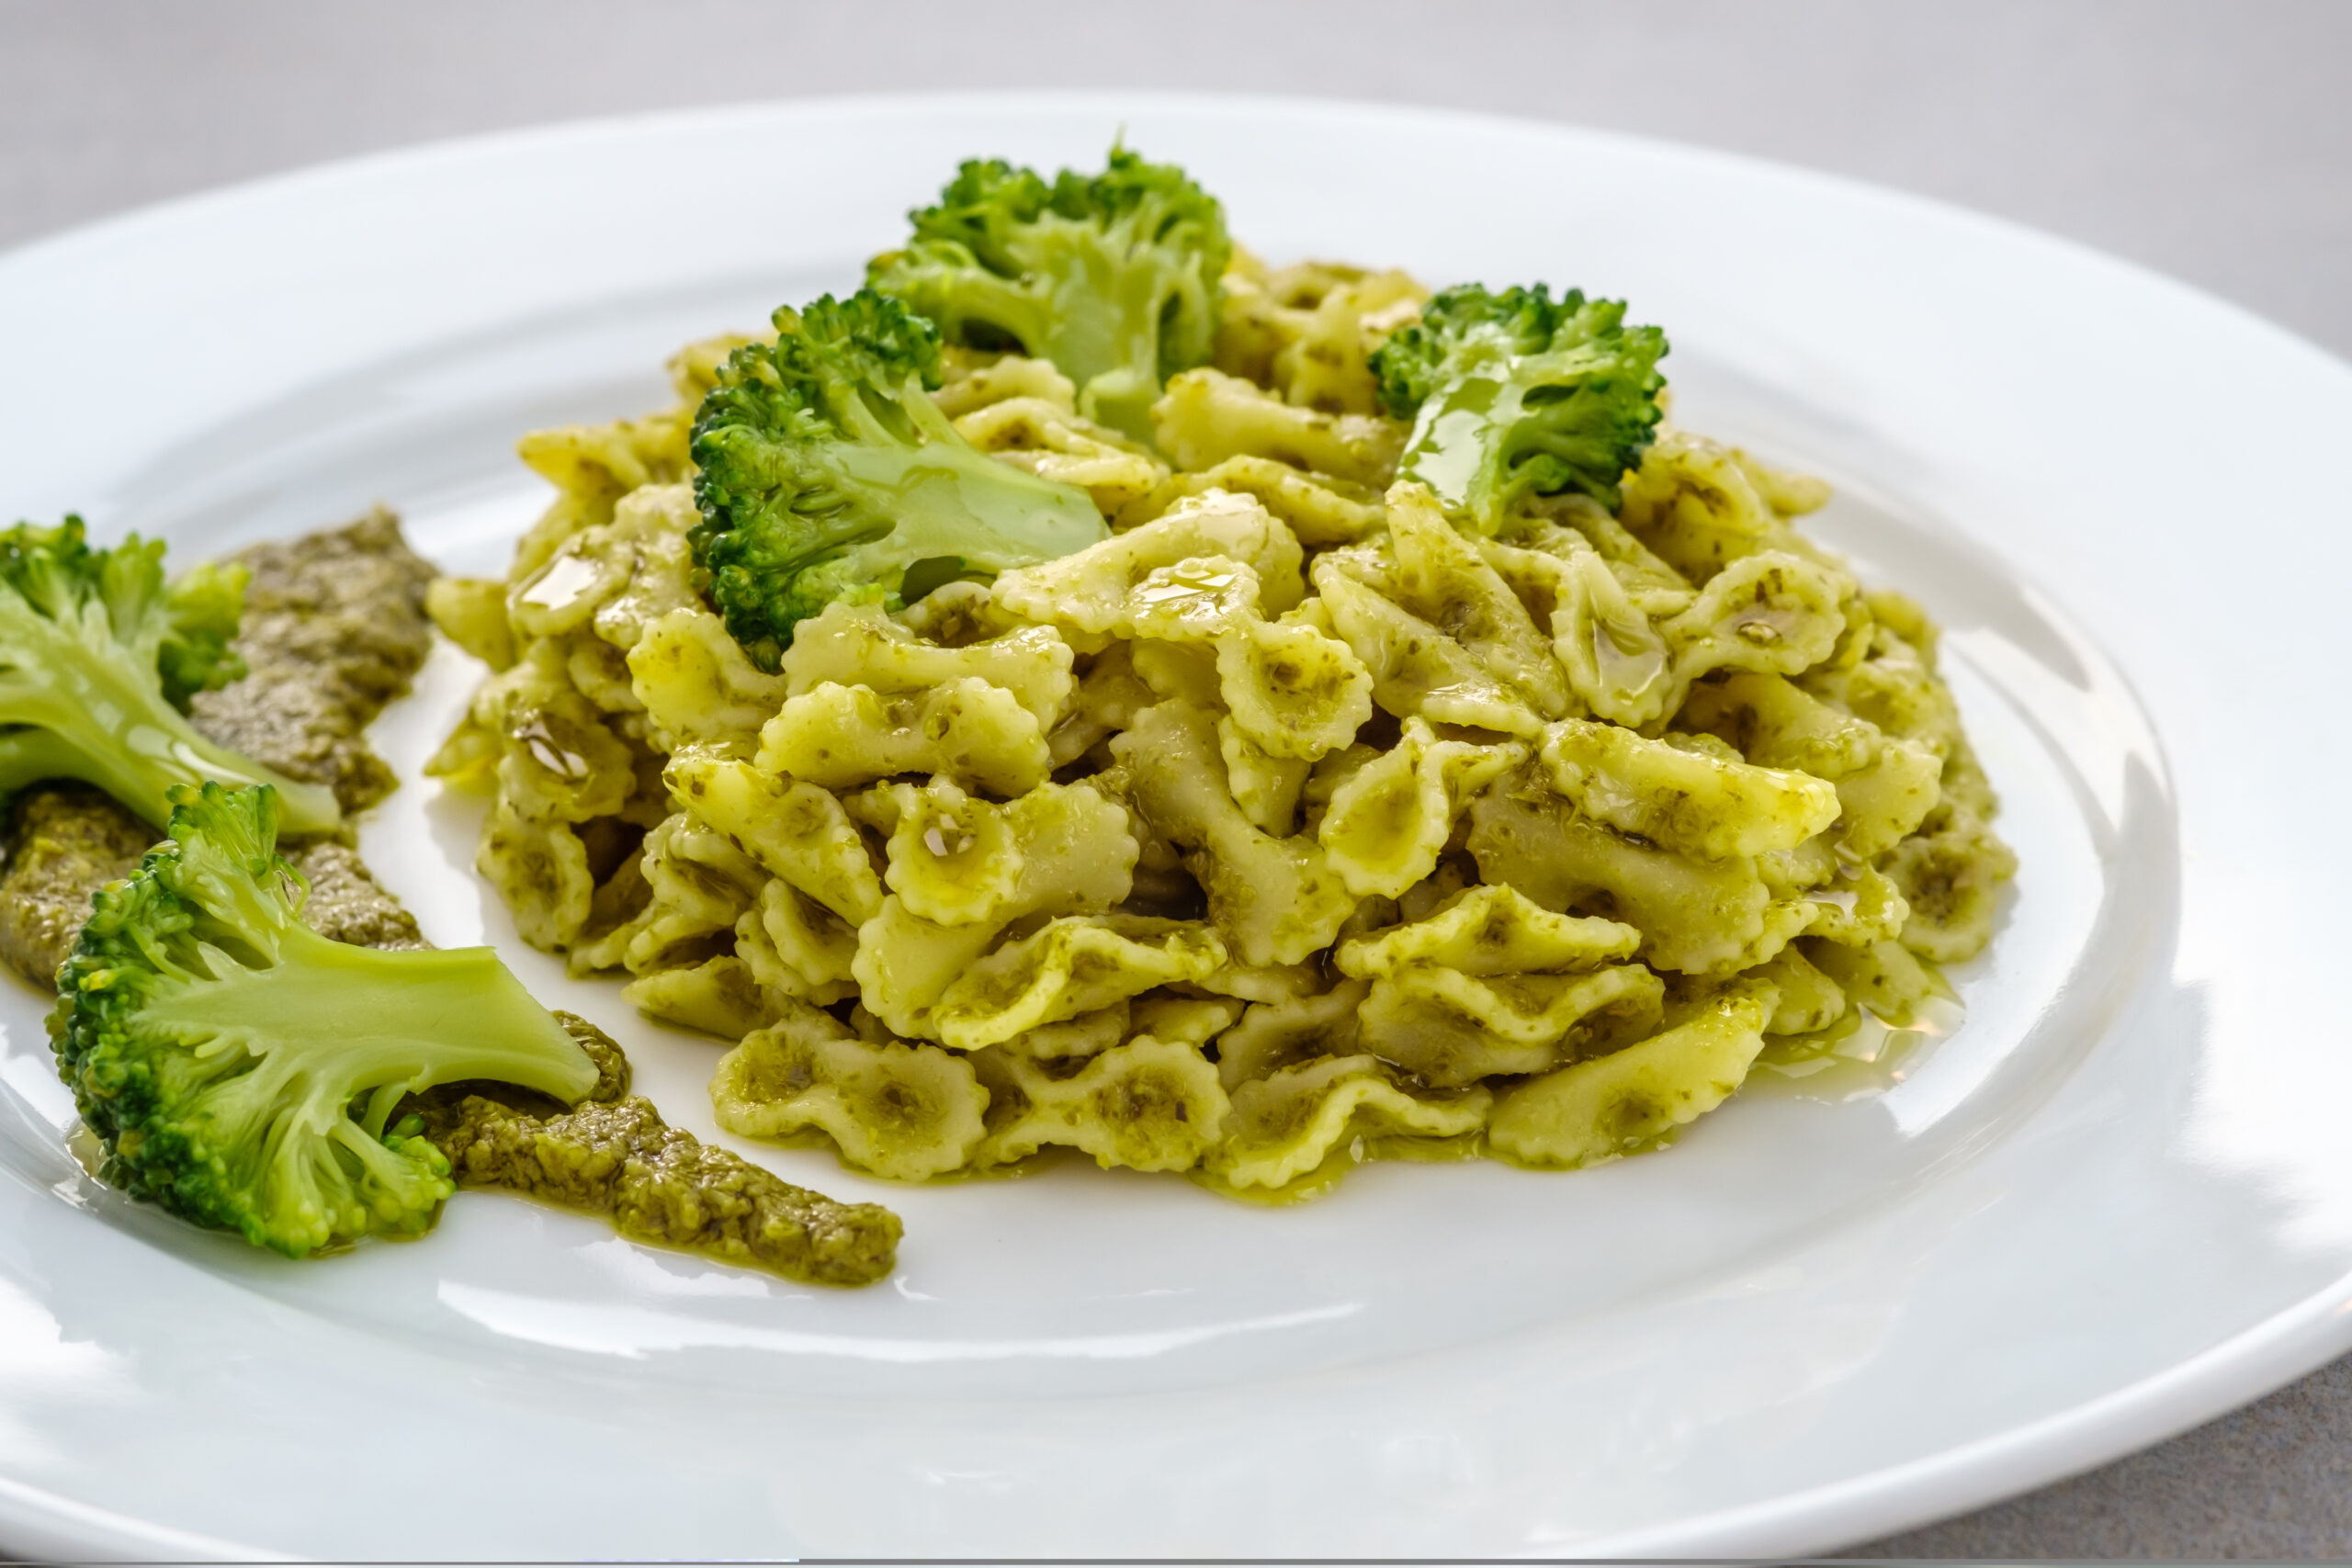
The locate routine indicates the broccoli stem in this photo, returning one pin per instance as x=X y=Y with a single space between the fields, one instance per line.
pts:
x=457 y=1011
x=1105 y=337
x=82 y=716
x=951 y=502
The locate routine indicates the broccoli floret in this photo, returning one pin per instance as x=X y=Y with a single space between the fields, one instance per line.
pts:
x=240 y=1069
x=98 y=658
x=827 y=472
x=1512 y=395
x=1112 y=276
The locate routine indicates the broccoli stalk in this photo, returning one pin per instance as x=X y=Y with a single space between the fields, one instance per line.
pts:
x=1112 y=276
x=240 y=1069
x=1512 y=395
x=827 y=472
x=98 y=658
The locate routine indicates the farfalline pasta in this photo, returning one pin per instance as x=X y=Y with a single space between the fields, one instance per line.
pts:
x=1288 y=826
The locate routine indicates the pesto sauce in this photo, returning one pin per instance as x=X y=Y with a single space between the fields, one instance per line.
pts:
x=1860 y=1055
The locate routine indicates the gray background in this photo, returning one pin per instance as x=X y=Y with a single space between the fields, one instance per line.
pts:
x=2212 y=142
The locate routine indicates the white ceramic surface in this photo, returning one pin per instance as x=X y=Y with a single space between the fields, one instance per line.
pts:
x=2116 y=1202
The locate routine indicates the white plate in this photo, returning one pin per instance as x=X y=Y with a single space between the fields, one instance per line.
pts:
x=2118 y=1201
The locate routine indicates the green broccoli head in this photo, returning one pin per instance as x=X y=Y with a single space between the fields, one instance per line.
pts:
x=100 y=654
x=825 y=472
x=239 y=1068
x=1112 y=276
x=1512 y=395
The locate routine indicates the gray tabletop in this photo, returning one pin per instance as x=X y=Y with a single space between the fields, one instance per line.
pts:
x=2212 y=142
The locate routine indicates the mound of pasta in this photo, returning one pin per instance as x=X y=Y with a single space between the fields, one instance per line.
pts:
x=1289 y=826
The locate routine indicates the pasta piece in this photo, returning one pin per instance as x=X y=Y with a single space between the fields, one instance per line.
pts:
x=1777 y=724
x=613 y=910
x=1806 y=999
x=694 y=369
x=1694 y=915
x=1149 y=1104
x=1075 y=965
x=1265 y=786
x=557 y=758
x=701 y=885
x=795 y=831
x=1283 y=1126
x=471 y=613
x=540 y=870
x=720 y=996
x=1695 y=504
x=905 y=964
x=1176 y=672
x=1681 y=798
x=1076 y=857
x=1273 y=901
x=1787 y=493
x=1770 y=614
x=1967 y=793
x=1854 y=903
x=600 y=672
x=956 y=615
x=1307 y=332
x=696 y=685
x=567 y=591
x=969 y=383
x=1556 y=522
x=1092 y=589
x=1261 y=982
x=1085 y=1035
x=901 y=1111
x=1882 y=804
x=1490 y=931
x=1291 y=690
x=953 y=859
x=1281 y=1032
x=1614 y=660
x=1108 y=698
x=1255 y=321
x=796 y=947
x=1040 y=436
x=859 y=645
x=1948 y=881
x=1389 y=821
x=1326 y=365
x=1884 y=978
x=594 y=468
x=838 y=737
x=1896 y=689
x=1195 y=1021
x=1449 y=1029
x=1207 y=416
x=1437 y=572
x=1318 y=508
x=1417 y=670
x=1593 y=1112
x=648 y=531
x=1906 y=619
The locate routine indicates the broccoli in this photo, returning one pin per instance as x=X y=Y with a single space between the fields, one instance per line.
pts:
x=1112 y=276
x=827 y=472
x=240 y=1069
x=1512 y=395
x=98 y=658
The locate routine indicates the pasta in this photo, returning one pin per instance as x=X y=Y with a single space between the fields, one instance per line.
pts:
x=1287 y=827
